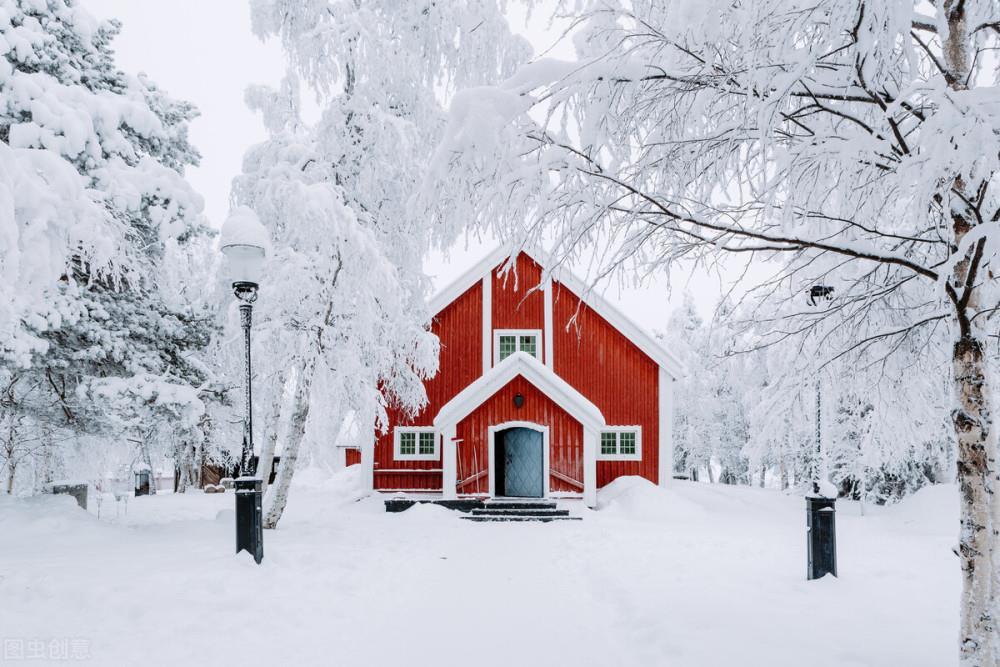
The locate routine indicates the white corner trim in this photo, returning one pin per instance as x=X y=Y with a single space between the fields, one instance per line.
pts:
x=666 y=434
x=590 y=437
x=643 y=340
x=537 y=333
x=549 y=359
x=487 y=321
x=399 y=430
x=622 y=457
x=491 y=457
x=449 y=464
x=527 y=366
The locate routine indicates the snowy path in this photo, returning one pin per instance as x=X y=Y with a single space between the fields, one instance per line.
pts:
x=697 y=576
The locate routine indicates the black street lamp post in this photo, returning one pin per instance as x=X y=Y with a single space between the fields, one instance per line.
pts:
x=821 y=512
x=244 y=243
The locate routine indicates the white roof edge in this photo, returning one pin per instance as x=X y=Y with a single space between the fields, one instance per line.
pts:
x=459 y=285
x=520 y=363
x=598 y=303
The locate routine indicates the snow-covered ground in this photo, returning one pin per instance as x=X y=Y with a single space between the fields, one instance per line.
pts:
x=698 y=575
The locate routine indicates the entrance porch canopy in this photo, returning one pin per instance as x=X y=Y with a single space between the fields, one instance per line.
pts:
x=542 y=377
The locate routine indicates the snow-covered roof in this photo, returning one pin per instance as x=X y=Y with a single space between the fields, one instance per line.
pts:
x=598 y=303
x=532 y=370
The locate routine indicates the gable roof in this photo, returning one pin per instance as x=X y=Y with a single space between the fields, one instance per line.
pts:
x=596 y=302
x=532 y=370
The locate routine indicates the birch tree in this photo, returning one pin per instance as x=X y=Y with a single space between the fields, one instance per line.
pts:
x=857 y=141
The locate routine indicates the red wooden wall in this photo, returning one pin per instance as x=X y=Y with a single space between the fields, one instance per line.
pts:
x=459 y=329
x=614 y=374
x=516 y=304
x=352 y=457
x=591 y=355
x=565 y=437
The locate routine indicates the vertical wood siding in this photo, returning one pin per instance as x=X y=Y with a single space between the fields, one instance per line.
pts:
x=352 y=457
x=565 y=437
x=513 y=306
x=591 y=355
x=614 y=374
x=459 y=329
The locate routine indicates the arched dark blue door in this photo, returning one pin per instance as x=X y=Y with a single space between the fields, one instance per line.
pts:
x=523 y=475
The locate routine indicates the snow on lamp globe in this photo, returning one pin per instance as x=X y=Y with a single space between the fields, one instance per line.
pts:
x=244 y=242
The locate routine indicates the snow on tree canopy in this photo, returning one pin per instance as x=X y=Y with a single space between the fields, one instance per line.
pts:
x=100 y=234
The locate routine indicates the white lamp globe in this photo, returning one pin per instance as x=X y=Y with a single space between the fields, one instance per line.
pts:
x=244 y=241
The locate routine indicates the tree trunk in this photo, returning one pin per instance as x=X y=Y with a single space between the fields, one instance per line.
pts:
x=973 y=421
x=147 y=458
x=185 y=467
x=9 y=452
x=272 y=424
x=977 y=476
x=763 y=476
x=289 y=455
x=711 y=474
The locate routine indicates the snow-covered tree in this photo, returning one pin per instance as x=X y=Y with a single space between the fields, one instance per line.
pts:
x=343 y=305
x=711 y=427
x=94 y=217
x=856 y=140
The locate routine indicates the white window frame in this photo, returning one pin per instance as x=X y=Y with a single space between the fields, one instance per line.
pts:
x=399 y=430
x=621 y=457
x=537 y=333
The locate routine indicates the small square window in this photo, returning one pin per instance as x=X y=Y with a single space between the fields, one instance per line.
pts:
x=621 y=443
x=416 y=443
x=427 y=443
x=608 y=443
x=408 y=443
x=508 y=346
x=528 y=344
x=626 y=443
x=509 y=341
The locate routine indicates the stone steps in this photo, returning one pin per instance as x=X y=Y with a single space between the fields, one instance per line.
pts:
x=518 y=518
x=519 y=510
x=492 y=510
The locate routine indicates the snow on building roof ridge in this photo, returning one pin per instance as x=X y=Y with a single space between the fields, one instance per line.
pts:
x=527 y=366
x=600 y=304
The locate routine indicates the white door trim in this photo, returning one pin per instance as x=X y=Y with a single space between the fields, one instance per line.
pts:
x=491 y=459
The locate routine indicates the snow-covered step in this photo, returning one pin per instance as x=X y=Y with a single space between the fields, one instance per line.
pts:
x=520 y=504
x=540 y=511
x=518 y=517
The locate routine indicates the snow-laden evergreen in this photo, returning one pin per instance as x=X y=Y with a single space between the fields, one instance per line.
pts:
x=97 y=322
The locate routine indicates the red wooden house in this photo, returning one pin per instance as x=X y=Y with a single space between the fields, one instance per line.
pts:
x=528 y=401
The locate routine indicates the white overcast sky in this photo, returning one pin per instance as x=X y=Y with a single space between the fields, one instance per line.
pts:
x=203 y=51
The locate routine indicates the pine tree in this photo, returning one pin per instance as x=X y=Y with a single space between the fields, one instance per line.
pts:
x=96 y=331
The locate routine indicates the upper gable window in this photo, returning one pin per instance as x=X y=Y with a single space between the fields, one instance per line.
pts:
x=508 y=341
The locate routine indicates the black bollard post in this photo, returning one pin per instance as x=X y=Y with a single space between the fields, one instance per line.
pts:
x=249 y=517
x=821 y=526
